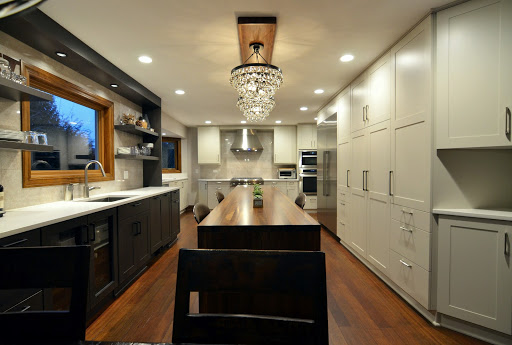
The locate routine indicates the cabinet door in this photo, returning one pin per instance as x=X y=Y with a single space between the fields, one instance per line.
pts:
x=305 y=137
x=208 y=145
x=175 y=214
x=142 y=249
x=379 y=91
x=126 y=231
x=344 y=115
x=285 y=148
x=411 y=122
x=344 y=167
x=475 y=274
x=213 y=187
x=358 y=216
x=156 y=224
x=165 y=217
x=359 y=91
x=183 y=194
x=474 y=50
x=203 y=192
x=378 y=177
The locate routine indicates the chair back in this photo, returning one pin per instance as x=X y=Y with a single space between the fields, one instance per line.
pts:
x=300 y=200
x=254 y=280
x=200 y=212
x=45 y=267
x=220 y=196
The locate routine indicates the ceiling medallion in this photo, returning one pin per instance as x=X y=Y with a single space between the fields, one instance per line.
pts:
x=256 y=84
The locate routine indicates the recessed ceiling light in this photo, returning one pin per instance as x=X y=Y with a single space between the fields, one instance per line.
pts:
x=114 y=85
x=17 y=112
x=164 y=133
x=316 y=118
x=179 y=92
x=243 y=121
x=61 y=54
x=278 y=121
x=226 y=139
x=145 y=59
x=319 y=91
x=303 y=108
x=208 y=121
x=347 y=58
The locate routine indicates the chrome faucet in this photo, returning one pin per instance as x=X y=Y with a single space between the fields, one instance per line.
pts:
x=87 y=189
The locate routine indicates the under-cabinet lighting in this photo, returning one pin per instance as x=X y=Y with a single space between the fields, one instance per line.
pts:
x=61 y=54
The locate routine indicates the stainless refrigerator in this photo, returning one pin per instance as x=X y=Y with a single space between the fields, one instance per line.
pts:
x=326 y=172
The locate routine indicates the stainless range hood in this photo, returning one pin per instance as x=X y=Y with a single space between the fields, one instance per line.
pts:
x=246 y=141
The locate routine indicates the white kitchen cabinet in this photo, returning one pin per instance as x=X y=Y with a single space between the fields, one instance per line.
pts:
x=203 y=192
x=292 y=189
x=208 y=145
x=474 y=92
x=359 y=102
x=285 y=145
x=311 y=202
x=411 y=144
x=379 y=91
x=213 y=187
x=280 y=185
x=475 y=272
x=344 y=107
x=344 y=163
x=183 y=186
x=306 y=137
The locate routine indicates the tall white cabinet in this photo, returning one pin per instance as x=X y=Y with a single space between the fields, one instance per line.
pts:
x=474 y=94
x=285 y=145
x=306 y=137
x=208 y=145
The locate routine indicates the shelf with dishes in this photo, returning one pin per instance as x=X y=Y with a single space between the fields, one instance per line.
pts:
x=137 y=157
x=14 y=91
x=137 y=130
x=15 y=145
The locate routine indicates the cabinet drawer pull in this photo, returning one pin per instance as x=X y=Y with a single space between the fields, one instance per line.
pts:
x=507 y=245
x=405 y=229
x=405 y=263
x=390 y=180
x=93 y=232
x=137 y=204
x=408 y=212
x=25 y=309
x=14 y=243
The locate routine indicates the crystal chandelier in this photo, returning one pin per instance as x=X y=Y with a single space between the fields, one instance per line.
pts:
x=256 y=84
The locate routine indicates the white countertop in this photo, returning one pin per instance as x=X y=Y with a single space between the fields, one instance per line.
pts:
x=499 y=214
x=265 y=180
x=19 y=220
x=172 y=179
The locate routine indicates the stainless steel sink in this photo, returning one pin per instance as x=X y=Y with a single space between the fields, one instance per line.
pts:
x=106 y=199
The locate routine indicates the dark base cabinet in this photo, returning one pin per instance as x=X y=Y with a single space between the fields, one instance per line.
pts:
x=175 y=214
x=160 y=214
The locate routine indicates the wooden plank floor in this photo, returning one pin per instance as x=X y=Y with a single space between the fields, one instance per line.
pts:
x=362 y=309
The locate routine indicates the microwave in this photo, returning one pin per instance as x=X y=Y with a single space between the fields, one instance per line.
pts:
x=287 y=173
x=307 y=159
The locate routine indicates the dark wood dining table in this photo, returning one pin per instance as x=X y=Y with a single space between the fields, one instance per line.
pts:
x=279 y=225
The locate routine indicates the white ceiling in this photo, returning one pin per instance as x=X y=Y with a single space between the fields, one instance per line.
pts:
x=194 y=46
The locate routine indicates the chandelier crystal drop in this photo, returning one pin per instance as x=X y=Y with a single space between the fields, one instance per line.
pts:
x=256 y=84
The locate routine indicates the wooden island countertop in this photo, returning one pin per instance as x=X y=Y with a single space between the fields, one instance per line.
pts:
x=280 y=224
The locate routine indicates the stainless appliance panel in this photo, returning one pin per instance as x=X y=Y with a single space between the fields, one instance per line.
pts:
x=307 y=181
x=308 y=159
x=327 y=172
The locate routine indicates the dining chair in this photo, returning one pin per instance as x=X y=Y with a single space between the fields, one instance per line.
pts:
x=200 y=212
x=253 y=280
x=40 y=268
x=220 y=196
x=300 y=200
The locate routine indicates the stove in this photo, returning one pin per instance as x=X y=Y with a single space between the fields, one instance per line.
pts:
x=237 y=181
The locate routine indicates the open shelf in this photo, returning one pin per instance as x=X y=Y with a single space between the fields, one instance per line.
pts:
x=16 y=145
x=133 y=129
x=15 y=91
x=137 y=157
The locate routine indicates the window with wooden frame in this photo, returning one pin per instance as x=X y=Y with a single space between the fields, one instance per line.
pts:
x=79 y=125
x=171 y=155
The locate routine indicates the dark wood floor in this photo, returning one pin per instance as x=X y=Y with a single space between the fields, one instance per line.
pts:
x=362 y=309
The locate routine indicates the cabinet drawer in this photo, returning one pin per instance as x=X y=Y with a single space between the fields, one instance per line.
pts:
x=133 y=208
x=311 y=202
x=343 y=211
x=25 y=239
x=411 y=217
x=412 y=243
x=410 y=277
x=33 y=303
x=343 y=194
x=291 y=185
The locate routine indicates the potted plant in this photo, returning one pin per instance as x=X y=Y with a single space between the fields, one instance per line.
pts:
x=258 y=196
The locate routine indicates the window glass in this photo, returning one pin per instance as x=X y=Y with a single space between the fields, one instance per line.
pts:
x=72 y=130
x=168 y=155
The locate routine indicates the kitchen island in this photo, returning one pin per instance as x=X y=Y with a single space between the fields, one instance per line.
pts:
x=279 y=225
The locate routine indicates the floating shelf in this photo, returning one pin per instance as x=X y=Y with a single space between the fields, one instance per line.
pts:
x=133 y=129
x=16 y=145
x=138 y=157
x=15 y=91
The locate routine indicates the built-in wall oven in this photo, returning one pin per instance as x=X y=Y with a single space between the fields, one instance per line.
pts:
x=307 y=159
x=307 y=181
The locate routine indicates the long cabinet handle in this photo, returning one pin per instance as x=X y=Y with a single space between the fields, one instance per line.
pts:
x=508 y=121
x=14 y=243
x=390 y=180
x=507 y=245
x=367 y=109
x=348 y=171
x=93 y=238
x=363 y=180
x=364 y=109
x=367 y=171
x=405 y=263
x=405 y=229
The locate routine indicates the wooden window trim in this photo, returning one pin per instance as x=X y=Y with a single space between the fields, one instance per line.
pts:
x=50 y=83
x=177 y=155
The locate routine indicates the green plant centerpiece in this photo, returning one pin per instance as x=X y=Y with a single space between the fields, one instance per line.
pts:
x=258 y=196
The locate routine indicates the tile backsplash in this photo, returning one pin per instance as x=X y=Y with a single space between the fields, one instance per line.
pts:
x=243 y=164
